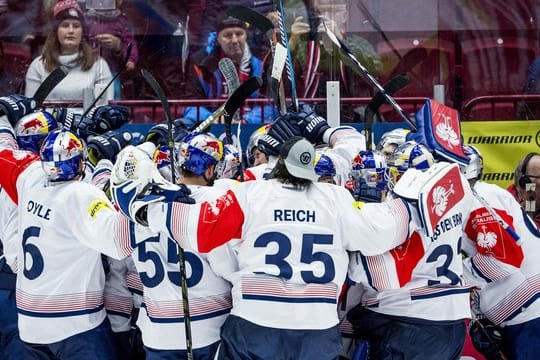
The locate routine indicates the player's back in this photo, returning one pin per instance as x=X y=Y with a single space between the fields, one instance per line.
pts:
x=60 y=282
x=161 y=318
x=292 y=256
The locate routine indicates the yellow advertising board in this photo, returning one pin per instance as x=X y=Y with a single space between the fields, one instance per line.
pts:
x=503 y=144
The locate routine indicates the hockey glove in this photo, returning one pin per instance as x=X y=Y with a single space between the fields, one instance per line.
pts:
x=486 y=338
x=282 y=129
x=108 y=145
x=16 y=106
x=108 y=117
x=170 y=192
x=132 y=204
x=313 y=126
x=158 y=134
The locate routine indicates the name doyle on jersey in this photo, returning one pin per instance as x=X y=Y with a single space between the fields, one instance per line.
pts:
x=294 y=215
x=447 y=224
x=39 y=210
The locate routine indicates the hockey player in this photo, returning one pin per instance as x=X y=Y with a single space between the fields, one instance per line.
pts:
x=161 y=318
x=503 y=265
x=292 y=255
x=390 y=140
x=414 y=303
x=31 y=130
x=61 y=314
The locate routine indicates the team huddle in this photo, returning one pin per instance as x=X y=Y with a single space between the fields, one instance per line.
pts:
x=320 y=249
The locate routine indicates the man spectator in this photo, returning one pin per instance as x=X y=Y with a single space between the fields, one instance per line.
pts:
x=527 y=185
x=204 y=79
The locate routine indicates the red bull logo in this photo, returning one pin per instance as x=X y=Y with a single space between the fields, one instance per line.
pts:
x=72 y=145
x=37 y=124
x=216 y=147
x=161 y=157
x=358 y=162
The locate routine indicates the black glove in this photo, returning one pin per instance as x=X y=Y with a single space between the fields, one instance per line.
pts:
x=108 y=117
x=158 y=134
x=16 y=106
x=283 y=128
x=108 y=145
x=313 y=126
x=486 y=338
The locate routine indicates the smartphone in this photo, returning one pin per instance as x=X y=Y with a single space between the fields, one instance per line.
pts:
x=101 y=4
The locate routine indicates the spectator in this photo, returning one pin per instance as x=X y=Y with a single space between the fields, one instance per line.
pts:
x=205 y=81
x=527 y=176
x=155 y=22
x=20 y=21
x=67 y=44
x=110 y=32
x=312 y=73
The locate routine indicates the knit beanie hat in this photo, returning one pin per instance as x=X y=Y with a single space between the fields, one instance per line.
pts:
x=67 y=9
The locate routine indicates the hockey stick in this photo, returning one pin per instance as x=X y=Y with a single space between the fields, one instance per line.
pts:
x=266 y=26
x=235 y=100
x=347 y=57
x=49 y=84
x=391 y=87
x=289 y=64
x=128 y=53
x=151 y=80
x=228 y=69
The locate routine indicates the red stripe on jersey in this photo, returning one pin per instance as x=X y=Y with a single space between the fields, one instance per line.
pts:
x=219 y=221
x=13 y=163
x=406 y=256
x=249 y=175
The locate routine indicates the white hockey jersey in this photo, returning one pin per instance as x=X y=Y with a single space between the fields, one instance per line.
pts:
x=161 y=318
x=291 y=245
x=345 y=144
x=421 y=278
x=63 y=227
x=506 y=271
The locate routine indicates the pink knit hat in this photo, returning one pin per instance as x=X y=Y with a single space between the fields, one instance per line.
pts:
x=67 y=9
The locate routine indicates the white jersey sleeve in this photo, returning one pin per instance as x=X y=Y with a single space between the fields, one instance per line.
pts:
x=506 y=271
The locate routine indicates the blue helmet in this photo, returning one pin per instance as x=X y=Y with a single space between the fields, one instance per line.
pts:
x=370 y=166
x=163 y=161
x=230 y=168
x=406 y=156
x=63 y=155
x=324 y=166
x=199 y=151
x=476 y=163
x=31 y=129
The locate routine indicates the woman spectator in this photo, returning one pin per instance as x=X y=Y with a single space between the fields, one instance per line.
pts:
x=67 y=45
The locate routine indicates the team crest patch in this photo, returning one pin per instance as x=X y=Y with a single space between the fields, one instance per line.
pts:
x=96 y=206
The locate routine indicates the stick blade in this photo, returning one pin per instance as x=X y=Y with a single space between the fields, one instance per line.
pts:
x=238 y=97
x=50 y=83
